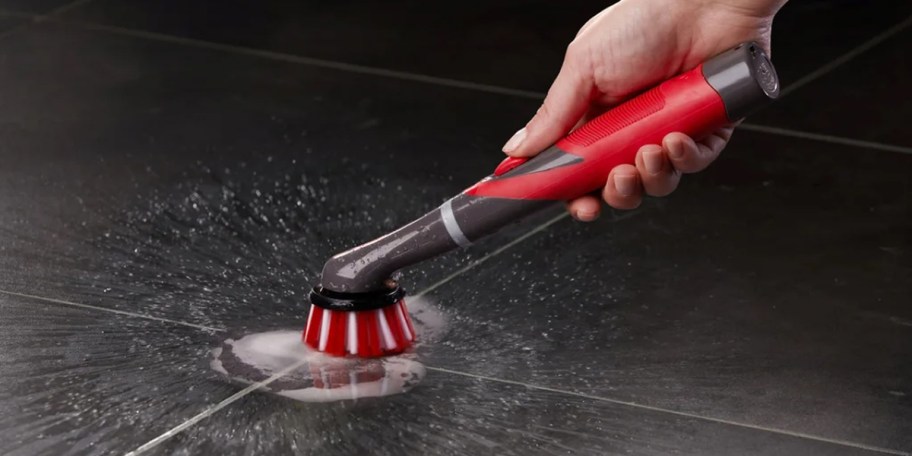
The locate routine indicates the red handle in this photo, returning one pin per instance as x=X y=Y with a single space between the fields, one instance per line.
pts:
x=579 y=163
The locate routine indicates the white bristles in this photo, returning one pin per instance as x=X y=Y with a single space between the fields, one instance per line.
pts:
x=309 y=319
x=386 y=331
x=388 y=342
x=324 y=331
x=402 y=323
x=352 y=336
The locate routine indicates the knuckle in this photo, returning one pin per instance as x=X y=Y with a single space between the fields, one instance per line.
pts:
x=544 y=110
x=574 y=51
x=578 y=58
x=542 y=116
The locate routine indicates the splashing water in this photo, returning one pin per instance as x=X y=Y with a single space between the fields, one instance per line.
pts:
x=321 y=378
x=236 y=250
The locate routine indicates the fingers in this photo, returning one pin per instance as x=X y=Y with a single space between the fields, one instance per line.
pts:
x=658 y=175
x=567 y=100
x=688 y=156
x=624 y=189
x=585 y=208
x=658 y=168
x=627 y=184
x=657 y=172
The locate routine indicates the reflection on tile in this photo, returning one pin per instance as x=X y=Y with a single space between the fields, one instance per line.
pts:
x=87 y=382
x=772 y=289
x=196 y=185
x=810 y=34
x=508 y=43
x=209 y=187
x=865 y=99
x=95 y=383
x=33 y=6
x=517 y=44
x=449 y=415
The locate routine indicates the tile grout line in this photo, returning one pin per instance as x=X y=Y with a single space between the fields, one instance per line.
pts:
x=240 y=394
x=826 y=138
x=496 y=252
x=427 y=290
x=615 y=218
x=678 y=413
x=847 y=57
x=308 y=61
x=205 y=414
x=38 y=18
x=210 y=411
x=474 y=86
x=470 y=86
x=64 y=8
x=116 y=311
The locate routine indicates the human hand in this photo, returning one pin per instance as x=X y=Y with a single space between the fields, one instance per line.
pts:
x=628 y=47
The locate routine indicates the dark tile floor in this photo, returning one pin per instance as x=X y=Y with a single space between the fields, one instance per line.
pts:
x=74 y=383
x=511 y=43
x=768 y=297
x=36 y=6
x=865 y=99
x=191 y=141
x=92 y=385
x=7 y=24
x=773 y=290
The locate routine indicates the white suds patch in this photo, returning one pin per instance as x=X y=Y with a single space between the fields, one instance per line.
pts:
x=323 y=378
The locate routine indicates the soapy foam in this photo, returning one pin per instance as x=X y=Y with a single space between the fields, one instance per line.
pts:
x=323 y=378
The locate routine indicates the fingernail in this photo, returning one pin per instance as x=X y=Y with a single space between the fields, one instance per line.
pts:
x=625 y=185
x=652 y=160
x=586 y=216
x=515 y=140
x=675 y=150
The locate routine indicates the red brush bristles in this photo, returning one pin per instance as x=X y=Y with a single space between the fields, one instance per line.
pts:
x=365 y=333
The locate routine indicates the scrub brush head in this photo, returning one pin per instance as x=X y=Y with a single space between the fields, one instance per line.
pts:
x=367 y=325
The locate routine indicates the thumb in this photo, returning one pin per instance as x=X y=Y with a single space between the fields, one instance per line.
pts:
x=567 y=100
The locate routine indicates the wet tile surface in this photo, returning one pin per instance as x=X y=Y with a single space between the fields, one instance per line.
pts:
x=157 y=153
x=86 y=382
x=209 y=187
x=772 y=289
x=480 y=41
x=33 y=6
x=509 y=43
x=452 y=415
x=864 y=99
x=8 y=23
x=91 y=382
x=808 y=35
